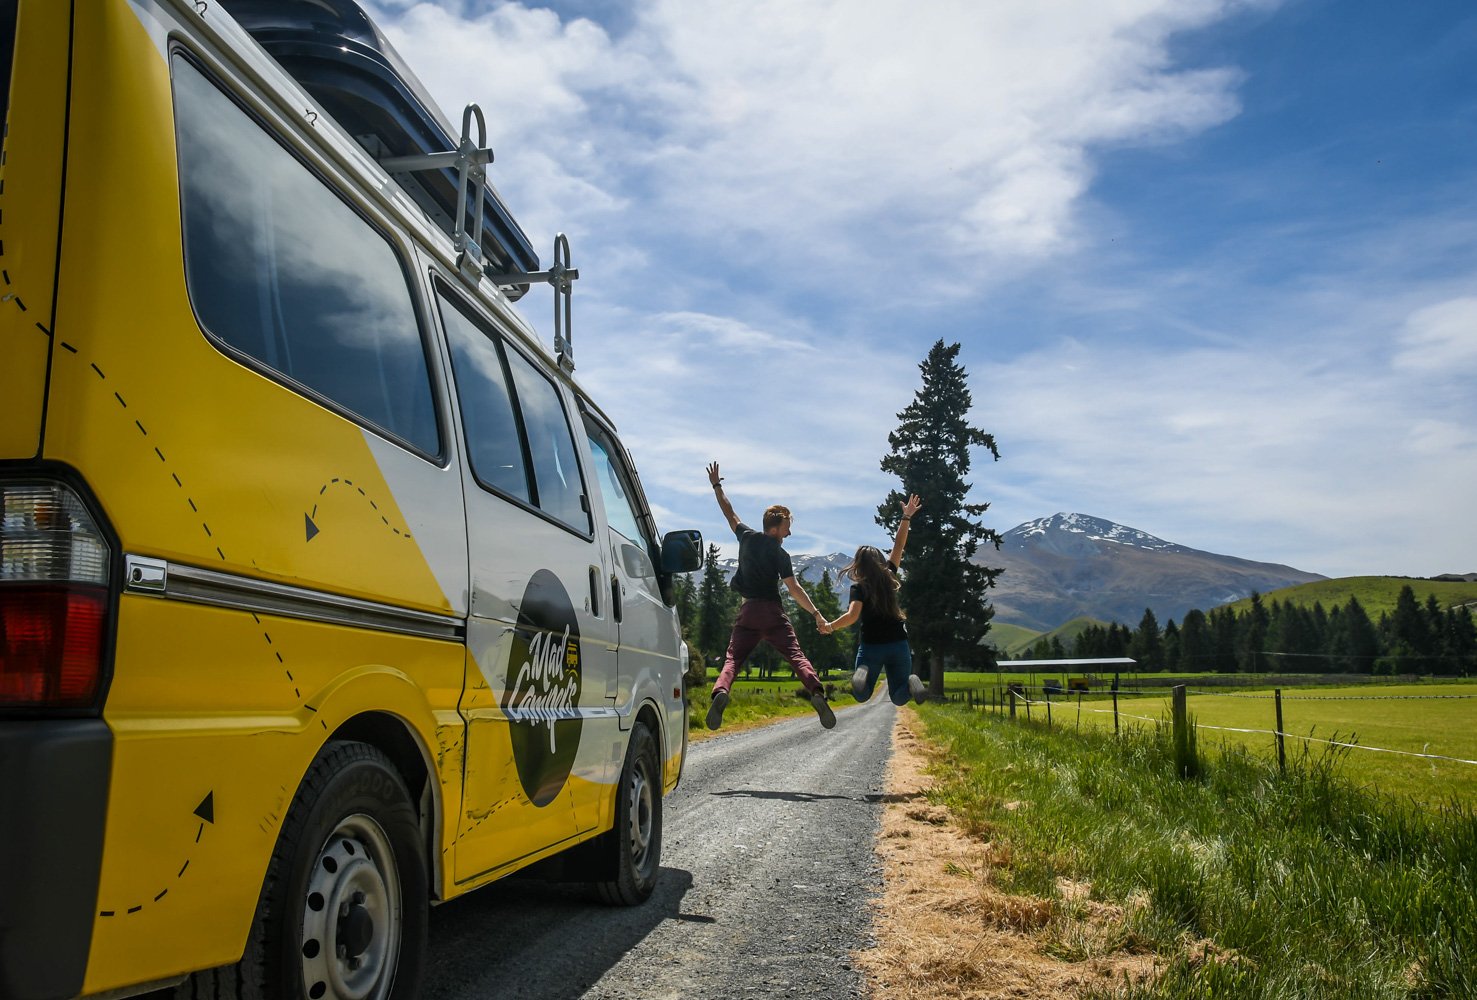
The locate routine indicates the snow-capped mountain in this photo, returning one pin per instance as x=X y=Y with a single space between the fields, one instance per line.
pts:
x=1069 y=565
x=1066 y=532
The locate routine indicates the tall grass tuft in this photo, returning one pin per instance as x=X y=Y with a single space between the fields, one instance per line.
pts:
x=1248 y=883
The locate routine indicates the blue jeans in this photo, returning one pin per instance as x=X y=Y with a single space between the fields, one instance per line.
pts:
x=894 y=657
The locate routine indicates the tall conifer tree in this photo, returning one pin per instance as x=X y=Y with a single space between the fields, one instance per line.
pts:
x=944 y=589
x=715 y=612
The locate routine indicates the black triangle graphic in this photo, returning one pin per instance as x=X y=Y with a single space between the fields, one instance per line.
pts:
x=312 y=528
x=206 y=809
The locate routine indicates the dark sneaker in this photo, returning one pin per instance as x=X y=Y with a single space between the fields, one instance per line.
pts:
x=916 y=688
x=859 y=684
x=823 y=709
x=715 y=710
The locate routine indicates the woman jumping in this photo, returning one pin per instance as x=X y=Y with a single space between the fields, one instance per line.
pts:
x=874 y=600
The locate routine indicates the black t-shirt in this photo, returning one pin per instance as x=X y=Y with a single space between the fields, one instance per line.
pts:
x=762 y=564
x=877 y=627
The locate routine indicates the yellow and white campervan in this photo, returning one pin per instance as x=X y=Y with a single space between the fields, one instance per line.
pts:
x=325 y=592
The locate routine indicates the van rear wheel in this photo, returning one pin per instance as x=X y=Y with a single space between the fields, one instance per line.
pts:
x=342 y=914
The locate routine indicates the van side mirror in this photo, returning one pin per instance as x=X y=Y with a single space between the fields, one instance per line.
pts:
x=682 y=551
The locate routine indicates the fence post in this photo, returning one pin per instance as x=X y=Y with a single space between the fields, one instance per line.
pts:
x=1048 y=708
x=1115 y=709
x=1184 y=752
x=1012 y=703
x=1028 y=706
x=1281 y=747
x=1079 y=710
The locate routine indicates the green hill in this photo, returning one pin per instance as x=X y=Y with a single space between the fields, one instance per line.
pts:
x=1009 y=638
x=1377 y=594
x=1014 y=640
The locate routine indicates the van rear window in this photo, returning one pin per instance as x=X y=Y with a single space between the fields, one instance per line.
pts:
x=284 y=271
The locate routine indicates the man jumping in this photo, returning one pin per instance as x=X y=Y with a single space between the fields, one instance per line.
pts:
x=762 y=563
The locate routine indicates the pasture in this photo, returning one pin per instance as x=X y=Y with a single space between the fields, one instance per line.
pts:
x=1435 y=719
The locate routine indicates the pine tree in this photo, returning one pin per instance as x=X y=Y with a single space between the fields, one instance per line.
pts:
x=944 y=589
x=684 y=593
x=1197 y=652
x=1148 y=647
x=715 y=612
x=823 y=651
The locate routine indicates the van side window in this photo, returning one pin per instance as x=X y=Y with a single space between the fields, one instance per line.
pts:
x=518 y=436
x=283 y=270
x=556 y=470
x=494 y=446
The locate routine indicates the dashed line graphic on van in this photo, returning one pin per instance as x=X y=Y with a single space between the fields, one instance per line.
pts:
x=281 y=661
x=310 y=523
x=205 y=811
x=195 y=509
x=158 y=453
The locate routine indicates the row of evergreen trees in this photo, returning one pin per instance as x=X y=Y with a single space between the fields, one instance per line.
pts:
x=1289 y=638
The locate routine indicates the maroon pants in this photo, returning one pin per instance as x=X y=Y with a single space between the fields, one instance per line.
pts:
x=764 y=620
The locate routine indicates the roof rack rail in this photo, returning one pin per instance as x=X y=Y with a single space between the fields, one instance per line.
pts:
x=469 y=158
x=562 y=276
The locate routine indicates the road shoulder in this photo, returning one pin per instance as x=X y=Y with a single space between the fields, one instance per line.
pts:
x=941 y=927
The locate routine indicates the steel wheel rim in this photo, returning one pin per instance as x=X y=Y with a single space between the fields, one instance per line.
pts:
x=642 y=814
x=351 y=915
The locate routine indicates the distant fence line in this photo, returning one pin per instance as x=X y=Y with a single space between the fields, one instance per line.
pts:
x=1003 y=699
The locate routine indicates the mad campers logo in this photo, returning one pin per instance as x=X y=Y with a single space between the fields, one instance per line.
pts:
x=542 y=698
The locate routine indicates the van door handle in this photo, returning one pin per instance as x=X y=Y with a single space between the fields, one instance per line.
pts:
x=615 y=596
x=595 y=591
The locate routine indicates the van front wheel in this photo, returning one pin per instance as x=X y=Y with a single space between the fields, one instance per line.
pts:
x=631 y=852
x=342 y=914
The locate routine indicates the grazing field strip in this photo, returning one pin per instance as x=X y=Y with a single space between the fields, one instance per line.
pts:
x=1422 y=745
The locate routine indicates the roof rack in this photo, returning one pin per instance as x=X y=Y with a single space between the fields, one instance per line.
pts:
x=469 y=159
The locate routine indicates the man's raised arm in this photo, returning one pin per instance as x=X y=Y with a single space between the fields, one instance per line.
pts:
x=723 y=504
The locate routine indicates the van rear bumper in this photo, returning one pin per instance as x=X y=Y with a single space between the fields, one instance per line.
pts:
x=54 y=776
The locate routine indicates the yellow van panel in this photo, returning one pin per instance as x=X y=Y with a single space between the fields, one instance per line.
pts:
x=211 y=741
x=30 y=205
x=195 y=456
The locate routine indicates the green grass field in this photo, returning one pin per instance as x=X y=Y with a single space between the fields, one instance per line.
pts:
x=1424 y=718
x=1246 y=883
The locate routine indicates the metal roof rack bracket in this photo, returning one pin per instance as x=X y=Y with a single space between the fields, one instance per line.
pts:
x=469 y=159
x=562 y=276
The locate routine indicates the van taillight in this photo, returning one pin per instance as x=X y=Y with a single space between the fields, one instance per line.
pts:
x=54 y=572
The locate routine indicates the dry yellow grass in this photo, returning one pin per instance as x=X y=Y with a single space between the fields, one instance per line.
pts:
x=943 y=929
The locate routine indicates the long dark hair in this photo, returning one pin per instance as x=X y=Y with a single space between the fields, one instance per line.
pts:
x=869 y=569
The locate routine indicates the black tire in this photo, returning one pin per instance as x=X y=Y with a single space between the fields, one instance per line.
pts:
x=631 y=853
x=342 y=914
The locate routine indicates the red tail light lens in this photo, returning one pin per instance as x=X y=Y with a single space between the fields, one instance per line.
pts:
x=51 y=645
x=54 y=566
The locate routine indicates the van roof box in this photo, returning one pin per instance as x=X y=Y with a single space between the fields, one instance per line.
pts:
x=339 y=55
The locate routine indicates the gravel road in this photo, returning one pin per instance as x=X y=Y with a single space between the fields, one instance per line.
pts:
x=768 y=867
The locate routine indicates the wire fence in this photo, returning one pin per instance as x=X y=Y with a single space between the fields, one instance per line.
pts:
x=1014 y=702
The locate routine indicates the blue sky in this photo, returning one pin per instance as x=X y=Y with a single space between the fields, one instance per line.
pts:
x=1213 y=264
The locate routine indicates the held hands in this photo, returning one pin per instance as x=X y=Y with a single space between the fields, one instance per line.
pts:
x=821 y=623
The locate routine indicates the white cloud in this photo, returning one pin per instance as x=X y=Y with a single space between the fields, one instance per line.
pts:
x=1292 y=452
x=769 y=201
x=1441 y=339
x=833 y=133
